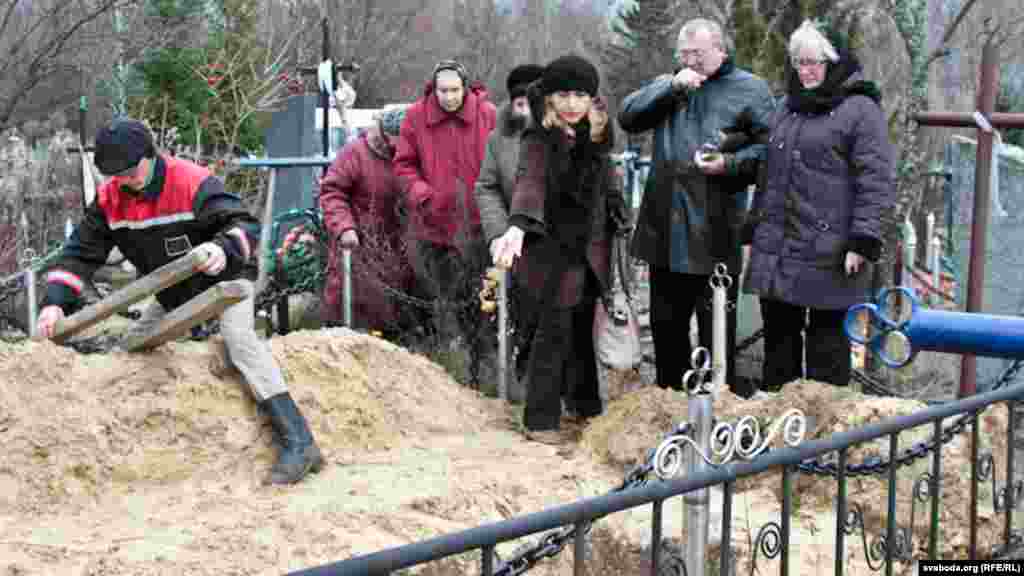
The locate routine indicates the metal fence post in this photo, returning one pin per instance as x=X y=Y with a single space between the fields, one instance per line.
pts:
x=929 y=235
x=30 y=283
x=503 y=335
x=720 y=282
x=28 y=260
x=346 y=263
x=696 y=519
x=936 y=264
x=909 y=250
x=268 y=221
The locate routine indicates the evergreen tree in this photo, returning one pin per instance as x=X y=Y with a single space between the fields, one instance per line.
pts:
x=171 y=96
x=642 y=47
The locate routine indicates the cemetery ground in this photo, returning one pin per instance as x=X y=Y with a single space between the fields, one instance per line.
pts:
x=135 y=464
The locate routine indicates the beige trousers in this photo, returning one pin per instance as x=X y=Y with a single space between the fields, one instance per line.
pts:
x=246 y=350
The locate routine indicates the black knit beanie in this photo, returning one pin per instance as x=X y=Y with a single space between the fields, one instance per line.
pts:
x=121 y=144
x=570 y=73
x=520 y=77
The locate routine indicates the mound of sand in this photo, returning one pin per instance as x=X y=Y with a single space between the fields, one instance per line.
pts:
x=135 y=464
x=641 y=419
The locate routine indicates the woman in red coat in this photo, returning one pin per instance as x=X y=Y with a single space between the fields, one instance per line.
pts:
x=359 y=197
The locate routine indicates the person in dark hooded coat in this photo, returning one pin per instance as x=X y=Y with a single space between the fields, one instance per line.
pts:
x=566 y=207
x=816 y=226
x=496 y=182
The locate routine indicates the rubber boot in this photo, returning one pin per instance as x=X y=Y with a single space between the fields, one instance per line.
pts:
x=299 y=454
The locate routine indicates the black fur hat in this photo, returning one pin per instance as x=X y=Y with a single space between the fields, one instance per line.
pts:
x=520 y=77
x=570 y=73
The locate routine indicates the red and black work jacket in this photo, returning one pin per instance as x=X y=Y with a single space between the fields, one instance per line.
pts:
x=183 y=206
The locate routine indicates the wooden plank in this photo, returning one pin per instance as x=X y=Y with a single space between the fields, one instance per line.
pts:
x=119 y=301
x=199 y=309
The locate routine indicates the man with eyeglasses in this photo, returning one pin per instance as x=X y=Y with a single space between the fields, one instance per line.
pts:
x=157 y=208
x=696 y=196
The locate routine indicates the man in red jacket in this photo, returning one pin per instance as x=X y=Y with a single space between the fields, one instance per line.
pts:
x=157 y=208
x=441 y=146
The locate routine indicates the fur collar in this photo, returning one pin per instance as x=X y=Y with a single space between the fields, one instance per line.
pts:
x=375 y=142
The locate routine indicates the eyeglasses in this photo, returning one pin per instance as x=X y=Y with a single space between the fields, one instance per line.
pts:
x=686 y=55
x=809 y=62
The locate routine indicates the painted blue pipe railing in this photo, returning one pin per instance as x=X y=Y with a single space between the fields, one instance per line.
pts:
x=920 y=328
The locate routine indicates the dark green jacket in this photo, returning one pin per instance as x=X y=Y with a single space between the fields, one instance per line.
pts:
x=689 y=221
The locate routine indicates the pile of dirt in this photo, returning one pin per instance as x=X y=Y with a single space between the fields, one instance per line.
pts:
x=135 y=464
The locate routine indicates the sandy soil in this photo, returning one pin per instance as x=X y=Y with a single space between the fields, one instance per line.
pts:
x=152 y=464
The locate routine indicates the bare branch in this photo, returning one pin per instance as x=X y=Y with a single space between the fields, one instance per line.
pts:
x=941 y=50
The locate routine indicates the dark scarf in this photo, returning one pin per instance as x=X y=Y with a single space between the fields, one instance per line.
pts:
x=570 y=181
x=570 y=177
x=833 y=90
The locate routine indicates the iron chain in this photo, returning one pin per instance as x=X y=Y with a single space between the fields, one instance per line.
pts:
x=554 y=542
x=876 y=465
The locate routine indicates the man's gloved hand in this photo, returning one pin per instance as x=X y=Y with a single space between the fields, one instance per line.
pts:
x=212 y=257
x=47 y=322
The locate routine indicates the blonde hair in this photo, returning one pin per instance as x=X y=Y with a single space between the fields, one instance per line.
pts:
x=597 y=116
x=810 y=37
x=713 y=28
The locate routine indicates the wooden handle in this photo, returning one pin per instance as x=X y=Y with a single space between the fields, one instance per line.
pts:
x=199 y=309
x=119 y=301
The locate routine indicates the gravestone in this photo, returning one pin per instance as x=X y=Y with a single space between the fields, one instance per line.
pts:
x=1004 y=267
x=291 y=134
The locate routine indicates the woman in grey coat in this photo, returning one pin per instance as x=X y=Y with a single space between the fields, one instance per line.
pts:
x=816 y=223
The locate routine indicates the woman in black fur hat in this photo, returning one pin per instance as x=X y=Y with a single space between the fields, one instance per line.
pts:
x=566 y=208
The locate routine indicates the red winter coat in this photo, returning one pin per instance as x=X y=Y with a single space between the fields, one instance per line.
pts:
x=436 y=150
x=361 y=192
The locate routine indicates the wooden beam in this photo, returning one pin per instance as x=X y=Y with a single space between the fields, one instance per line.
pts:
x=199 y=309
x=119 y=301
x=211 y=303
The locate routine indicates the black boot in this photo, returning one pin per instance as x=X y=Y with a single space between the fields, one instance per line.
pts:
x=298 y=453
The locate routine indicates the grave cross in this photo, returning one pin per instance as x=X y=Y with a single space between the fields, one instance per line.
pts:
x=986 y=120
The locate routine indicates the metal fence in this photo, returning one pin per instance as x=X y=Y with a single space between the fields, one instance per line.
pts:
x=791 y=458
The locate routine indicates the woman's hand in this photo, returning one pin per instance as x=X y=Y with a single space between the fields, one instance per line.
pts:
x=507 y=247
x=854 y=263
x=349 y=239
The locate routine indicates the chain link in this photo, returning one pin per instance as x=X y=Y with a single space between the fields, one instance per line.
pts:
x=554 y=542
x=877 y=465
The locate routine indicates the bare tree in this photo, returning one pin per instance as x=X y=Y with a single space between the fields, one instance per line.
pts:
x=390 y=40
x=487 y=38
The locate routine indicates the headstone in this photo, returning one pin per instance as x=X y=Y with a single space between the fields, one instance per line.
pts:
x=1004 y=267
x=291 y=134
